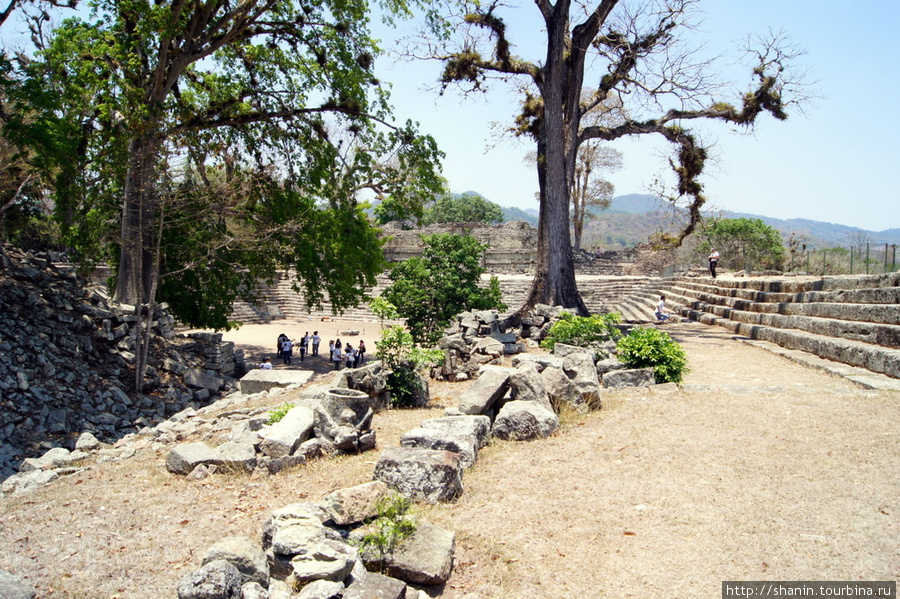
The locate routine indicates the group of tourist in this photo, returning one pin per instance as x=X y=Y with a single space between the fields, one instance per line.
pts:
x=307 y=344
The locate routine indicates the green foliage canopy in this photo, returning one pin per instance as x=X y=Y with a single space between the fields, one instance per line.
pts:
x=743 y=243
x=429 y=291
x=468 y=207
x=583 y=331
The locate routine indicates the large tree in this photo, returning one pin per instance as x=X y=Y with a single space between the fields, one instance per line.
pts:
x=169 y=87
x=630 y=51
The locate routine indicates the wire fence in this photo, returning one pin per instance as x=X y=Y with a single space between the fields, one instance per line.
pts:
x=868 y=259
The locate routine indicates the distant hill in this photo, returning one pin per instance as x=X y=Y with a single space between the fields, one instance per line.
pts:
x=631 y=218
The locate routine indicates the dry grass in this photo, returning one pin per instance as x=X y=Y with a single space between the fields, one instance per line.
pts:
x=761 y=469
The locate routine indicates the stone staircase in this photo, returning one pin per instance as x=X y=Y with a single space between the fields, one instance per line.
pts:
x=853 y=320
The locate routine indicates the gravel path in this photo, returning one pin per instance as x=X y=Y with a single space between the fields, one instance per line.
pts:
x=760 y=469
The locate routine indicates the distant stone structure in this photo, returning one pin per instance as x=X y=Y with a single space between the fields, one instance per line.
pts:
x=512 y=246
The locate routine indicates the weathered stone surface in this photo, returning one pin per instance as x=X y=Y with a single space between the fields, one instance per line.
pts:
x=237 y=456
x=562 y=350
x=636 y=377
x=322 y=589
x=608 y=365
x=58 y=457
x=87 y=442
x=524 y=421
x=421 y=474
x=354 y=504
x=215 y=580
x=283 y=437
x=579 y=367
x=253 y=590
x=302 y=514
x=258 y=380
x=479 y=426
x=201 y=379
x=491 y=385
x=528 y=385
x=425 y=558
x=185 y=457
x=13 y=587
x=245 y=555
x=428 y=438
x=326 y=560
x=561 y=390
x=376 y=586
x=489 y=347
x=369 y=378
x=542 y=361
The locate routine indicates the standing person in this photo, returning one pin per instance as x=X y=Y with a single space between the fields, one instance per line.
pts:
x=360 y=353
x=316 y=340
x=713 y=262
x=304 y=343
x=337 y=343
x=349 y=355
x=279 y=343
x=287 y=350
x=330 y=348
x=661 y=314
x=336 y=357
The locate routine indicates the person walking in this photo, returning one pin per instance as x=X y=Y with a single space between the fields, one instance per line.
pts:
x=316 y=340
x=304 y=343
x=287 y=350
x=713 y=262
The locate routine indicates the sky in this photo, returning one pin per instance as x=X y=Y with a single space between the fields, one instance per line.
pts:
x=836 y=161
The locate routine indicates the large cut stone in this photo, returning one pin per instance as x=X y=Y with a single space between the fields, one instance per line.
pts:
x=355 y=504
x=425 y=558
x=376 y=586
x=237 y=456
x=286 y=435
x=524 y=421
x=245 y=555
x=428 y=438
x=635 y=377
x=187 y=456
x=421 y=474
x=580 y=368
x=561 y=390
x=491 y=385
x=527 y=385
x=479 y=426
x=215 y=580
x=259 y=380
x=13 y=587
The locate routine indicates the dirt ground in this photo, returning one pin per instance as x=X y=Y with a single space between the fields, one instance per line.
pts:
x=759 y=469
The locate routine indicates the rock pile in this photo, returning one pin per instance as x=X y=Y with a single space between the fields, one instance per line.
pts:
x=67 y=357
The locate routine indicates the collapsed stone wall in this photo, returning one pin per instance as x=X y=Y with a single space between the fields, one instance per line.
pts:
x=67 y=362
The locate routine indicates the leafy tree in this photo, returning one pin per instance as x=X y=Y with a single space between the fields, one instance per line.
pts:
x=583 y=331
x=743 y=243
x=255 y=87
x=469 y=207
x=429 y=291
x=600 y=50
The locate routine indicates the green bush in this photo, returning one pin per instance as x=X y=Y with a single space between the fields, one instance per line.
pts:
x=583 y=331
x=404 y=359
x=277 y=413
x=646 y=348
x=393 y=524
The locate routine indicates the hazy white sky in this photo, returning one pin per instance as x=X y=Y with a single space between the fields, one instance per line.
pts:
x=836 y=162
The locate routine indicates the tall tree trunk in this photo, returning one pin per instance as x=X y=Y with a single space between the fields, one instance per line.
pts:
x=554 y=280
x=135 y=277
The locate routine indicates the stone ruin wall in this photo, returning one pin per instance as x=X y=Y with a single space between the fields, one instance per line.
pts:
x=512 y=247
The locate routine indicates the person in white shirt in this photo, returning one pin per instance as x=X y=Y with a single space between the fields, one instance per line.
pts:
x=661 y=314
x=713 y=262
x=316 y=340
x=266 y=364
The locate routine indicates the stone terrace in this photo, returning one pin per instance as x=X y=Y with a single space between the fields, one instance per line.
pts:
x=853 y=320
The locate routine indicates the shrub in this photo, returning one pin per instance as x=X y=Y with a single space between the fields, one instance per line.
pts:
x=276 y=414
x=583 y=331
x=646 y=348
x=404 y=359
x=389 y=528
